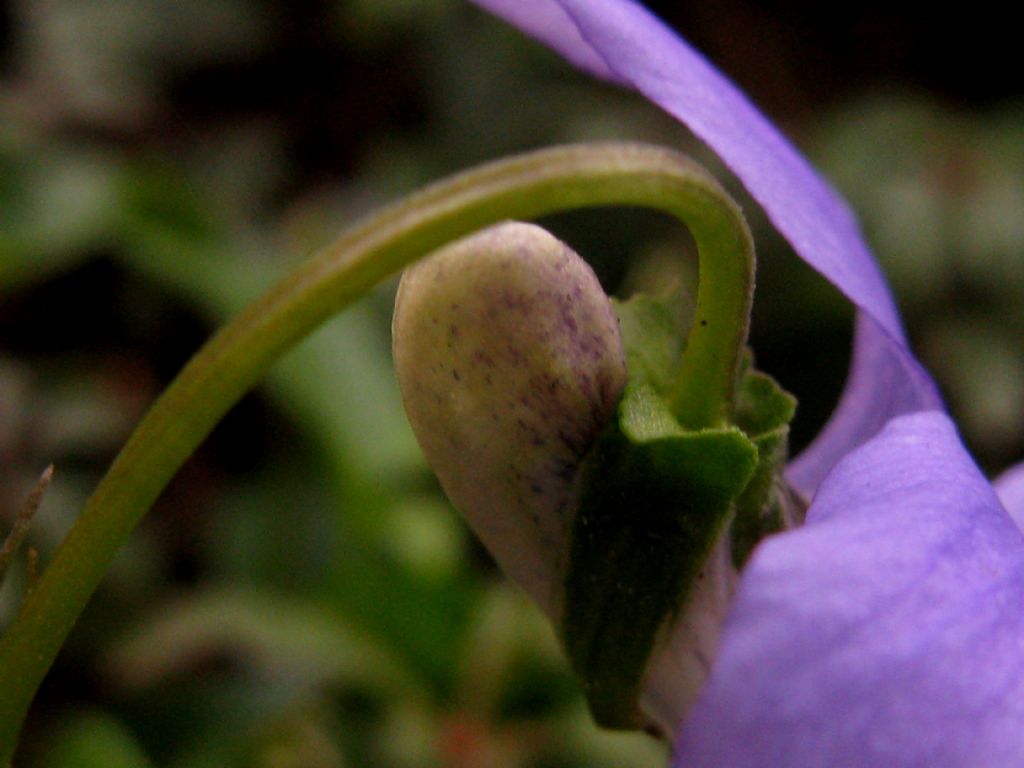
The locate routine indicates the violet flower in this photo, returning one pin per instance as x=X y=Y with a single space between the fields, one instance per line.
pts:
x=889 y=629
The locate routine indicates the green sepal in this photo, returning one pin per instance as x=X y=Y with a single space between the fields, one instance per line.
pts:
x=654 y=335
x=654 y=500
x=654 y=340
x=763 y=410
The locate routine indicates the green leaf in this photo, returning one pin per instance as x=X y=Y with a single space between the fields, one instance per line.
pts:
x=654 y=500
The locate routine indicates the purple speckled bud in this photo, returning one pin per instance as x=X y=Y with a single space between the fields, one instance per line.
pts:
x=510 y=362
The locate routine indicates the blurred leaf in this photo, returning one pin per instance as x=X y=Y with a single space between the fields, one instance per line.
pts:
x=338 y=383
x=512 y=666
x=427 y=537
x=282 y=636
x=298 y=739
x=983 y=367
x=421 y=622
x=106 y=57
x=56 y=203
x=517 y=704
x=94 y=740
x=887 y=154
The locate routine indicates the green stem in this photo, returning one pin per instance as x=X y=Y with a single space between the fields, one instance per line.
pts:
x=238 y=356
x=705 y=386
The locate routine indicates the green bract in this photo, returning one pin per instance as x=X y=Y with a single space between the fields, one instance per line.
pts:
x=655 y=500
x=665 y=516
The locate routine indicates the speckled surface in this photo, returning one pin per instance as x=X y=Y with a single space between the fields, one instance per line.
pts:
x=510 y=362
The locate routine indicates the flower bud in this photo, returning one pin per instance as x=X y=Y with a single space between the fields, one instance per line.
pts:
x=510 y=363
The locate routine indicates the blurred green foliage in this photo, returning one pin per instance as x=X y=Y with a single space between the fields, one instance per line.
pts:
x=303 y=595
x=941 y=196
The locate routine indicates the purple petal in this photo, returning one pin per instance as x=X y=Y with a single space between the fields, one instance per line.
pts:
x=1010 y=487
x=888 y=631
x=884 y=381
x=622 y=42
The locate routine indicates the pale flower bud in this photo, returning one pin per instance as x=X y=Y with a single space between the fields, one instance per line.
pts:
x=510 y=362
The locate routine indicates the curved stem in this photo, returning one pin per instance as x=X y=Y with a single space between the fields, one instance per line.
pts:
x=237 y=357
x=704 y=389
